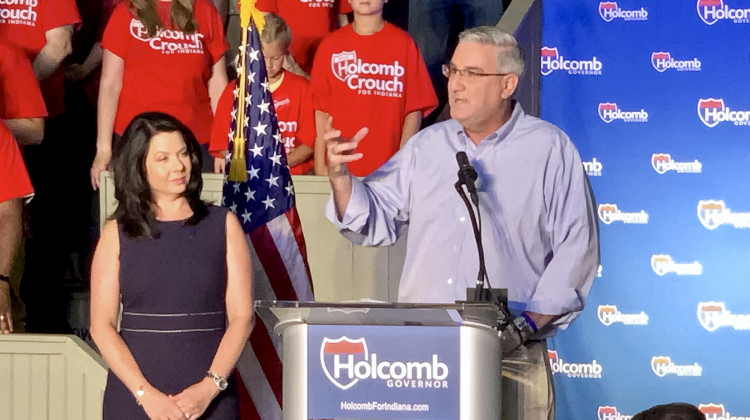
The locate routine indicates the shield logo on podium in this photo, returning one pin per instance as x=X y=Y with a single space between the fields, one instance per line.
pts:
x=331 y=353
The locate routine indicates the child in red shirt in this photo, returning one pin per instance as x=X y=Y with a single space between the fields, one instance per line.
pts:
x=369 y=74
x=310 y=21
x=175 y=71
x=291 y=101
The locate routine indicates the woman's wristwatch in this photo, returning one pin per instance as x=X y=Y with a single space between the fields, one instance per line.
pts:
x=220 y=381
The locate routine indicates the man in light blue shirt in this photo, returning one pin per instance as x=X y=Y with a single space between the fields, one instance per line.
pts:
x=539 y=231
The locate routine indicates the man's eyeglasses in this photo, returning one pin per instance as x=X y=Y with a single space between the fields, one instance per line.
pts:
x=450 y=71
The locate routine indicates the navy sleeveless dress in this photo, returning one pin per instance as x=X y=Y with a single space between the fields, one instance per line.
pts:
x=172 y=290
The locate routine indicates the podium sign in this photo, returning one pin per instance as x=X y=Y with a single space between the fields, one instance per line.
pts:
x=382 y=372
x=378 y=360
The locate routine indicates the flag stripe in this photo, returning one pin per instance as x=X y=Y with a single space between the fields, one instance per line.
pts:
x=286 y=244
x=272 y=263
x=247 y=407
x=264 y=400
x=296 y=225
x=271 y=364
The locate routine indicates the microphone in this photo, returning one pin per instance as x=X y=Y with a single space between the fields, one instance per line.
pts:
x=467 y=175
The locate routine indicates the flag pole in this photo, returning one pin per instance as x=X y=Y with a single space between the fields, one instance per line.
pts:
x=237 y=166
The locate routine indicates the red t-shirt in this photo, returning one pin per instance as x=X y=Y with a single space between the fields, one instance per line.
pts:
x=309 y=20
x=20 y=96
x=371 y=81
x=169 y=72
x=294 y=112
x=25 y=25
x=14 y=180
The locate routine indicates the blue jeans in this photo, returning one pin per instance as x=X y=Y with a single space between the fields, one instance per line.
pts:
x=434 y=25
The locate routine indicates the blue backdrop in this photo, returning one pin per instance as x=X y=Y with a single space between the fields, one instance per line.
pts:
x=656 y=95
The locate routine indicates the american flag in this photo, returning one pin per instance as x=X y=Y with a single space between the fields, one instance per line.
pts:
x=264 y=204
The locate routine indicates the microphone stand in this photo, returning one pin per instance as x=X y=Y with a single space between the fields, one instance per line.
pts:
x=504 y=315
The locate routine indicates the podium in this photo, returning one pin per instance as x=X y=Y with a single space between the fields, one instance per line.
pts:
x=388 y=360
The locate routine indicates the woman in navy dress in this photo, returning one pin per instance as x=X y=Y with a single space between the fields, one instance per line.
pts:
x=181 y=270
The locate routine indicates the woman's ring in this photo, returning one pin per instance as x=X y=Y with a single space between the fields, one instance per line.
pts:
x=187 y=416
x=2 y=317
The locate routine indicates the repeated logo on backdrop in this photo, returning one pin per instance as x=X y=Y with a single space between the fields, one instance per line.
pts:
x=590 y=370
x=715 y=315
x=712 y=11
x=714 y=411
x=663 y=61
x=552 y=60
x=609 y=314
x=663 y=366
x=714 y=213
x=664 y=264
x=663 y=163
x=609 y=111
x=609 y=11
x=713 y=111
x=608 y=412
x=609 y=213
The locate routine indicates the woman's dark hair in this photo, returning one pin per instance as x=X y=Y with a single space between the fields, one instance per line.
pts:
x=135 y=213
x=182 y=15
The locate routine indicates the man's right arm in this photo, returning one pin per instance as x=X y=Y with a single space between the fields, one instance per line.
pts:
x=339 y=152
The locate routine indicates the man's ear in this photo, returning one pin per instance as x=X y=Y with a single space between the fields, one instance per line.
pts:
x=510 y=83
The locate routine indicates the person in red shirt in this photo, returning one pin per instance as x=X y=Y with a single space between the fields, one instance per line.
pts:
x=21 y=105
x=43 y=29
x=310 y=21
x=22 y=112
x=371 y=74
x=160 y=56
x=14 y=187
x=291 y=101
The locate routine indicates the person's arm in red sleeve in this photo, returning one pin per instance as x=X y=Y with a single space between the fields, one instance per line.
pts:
x=420 y=95
x=305 y=131
x=23 y=108
x=218 y=145
x=217 y=46
x=58 y=47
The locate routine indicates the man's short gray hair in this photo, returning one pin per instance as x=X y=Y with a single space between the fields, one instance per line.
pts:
x=509 y=58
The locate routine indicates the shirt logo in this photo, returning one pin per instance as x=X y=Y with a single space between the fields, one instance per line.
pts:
x=168 y=41
x=318 y=3
x=368 y=78
x=23 y=15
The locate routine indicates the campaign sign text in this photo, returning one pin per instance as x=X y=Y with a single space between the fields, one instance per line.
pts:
x=383 y=372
